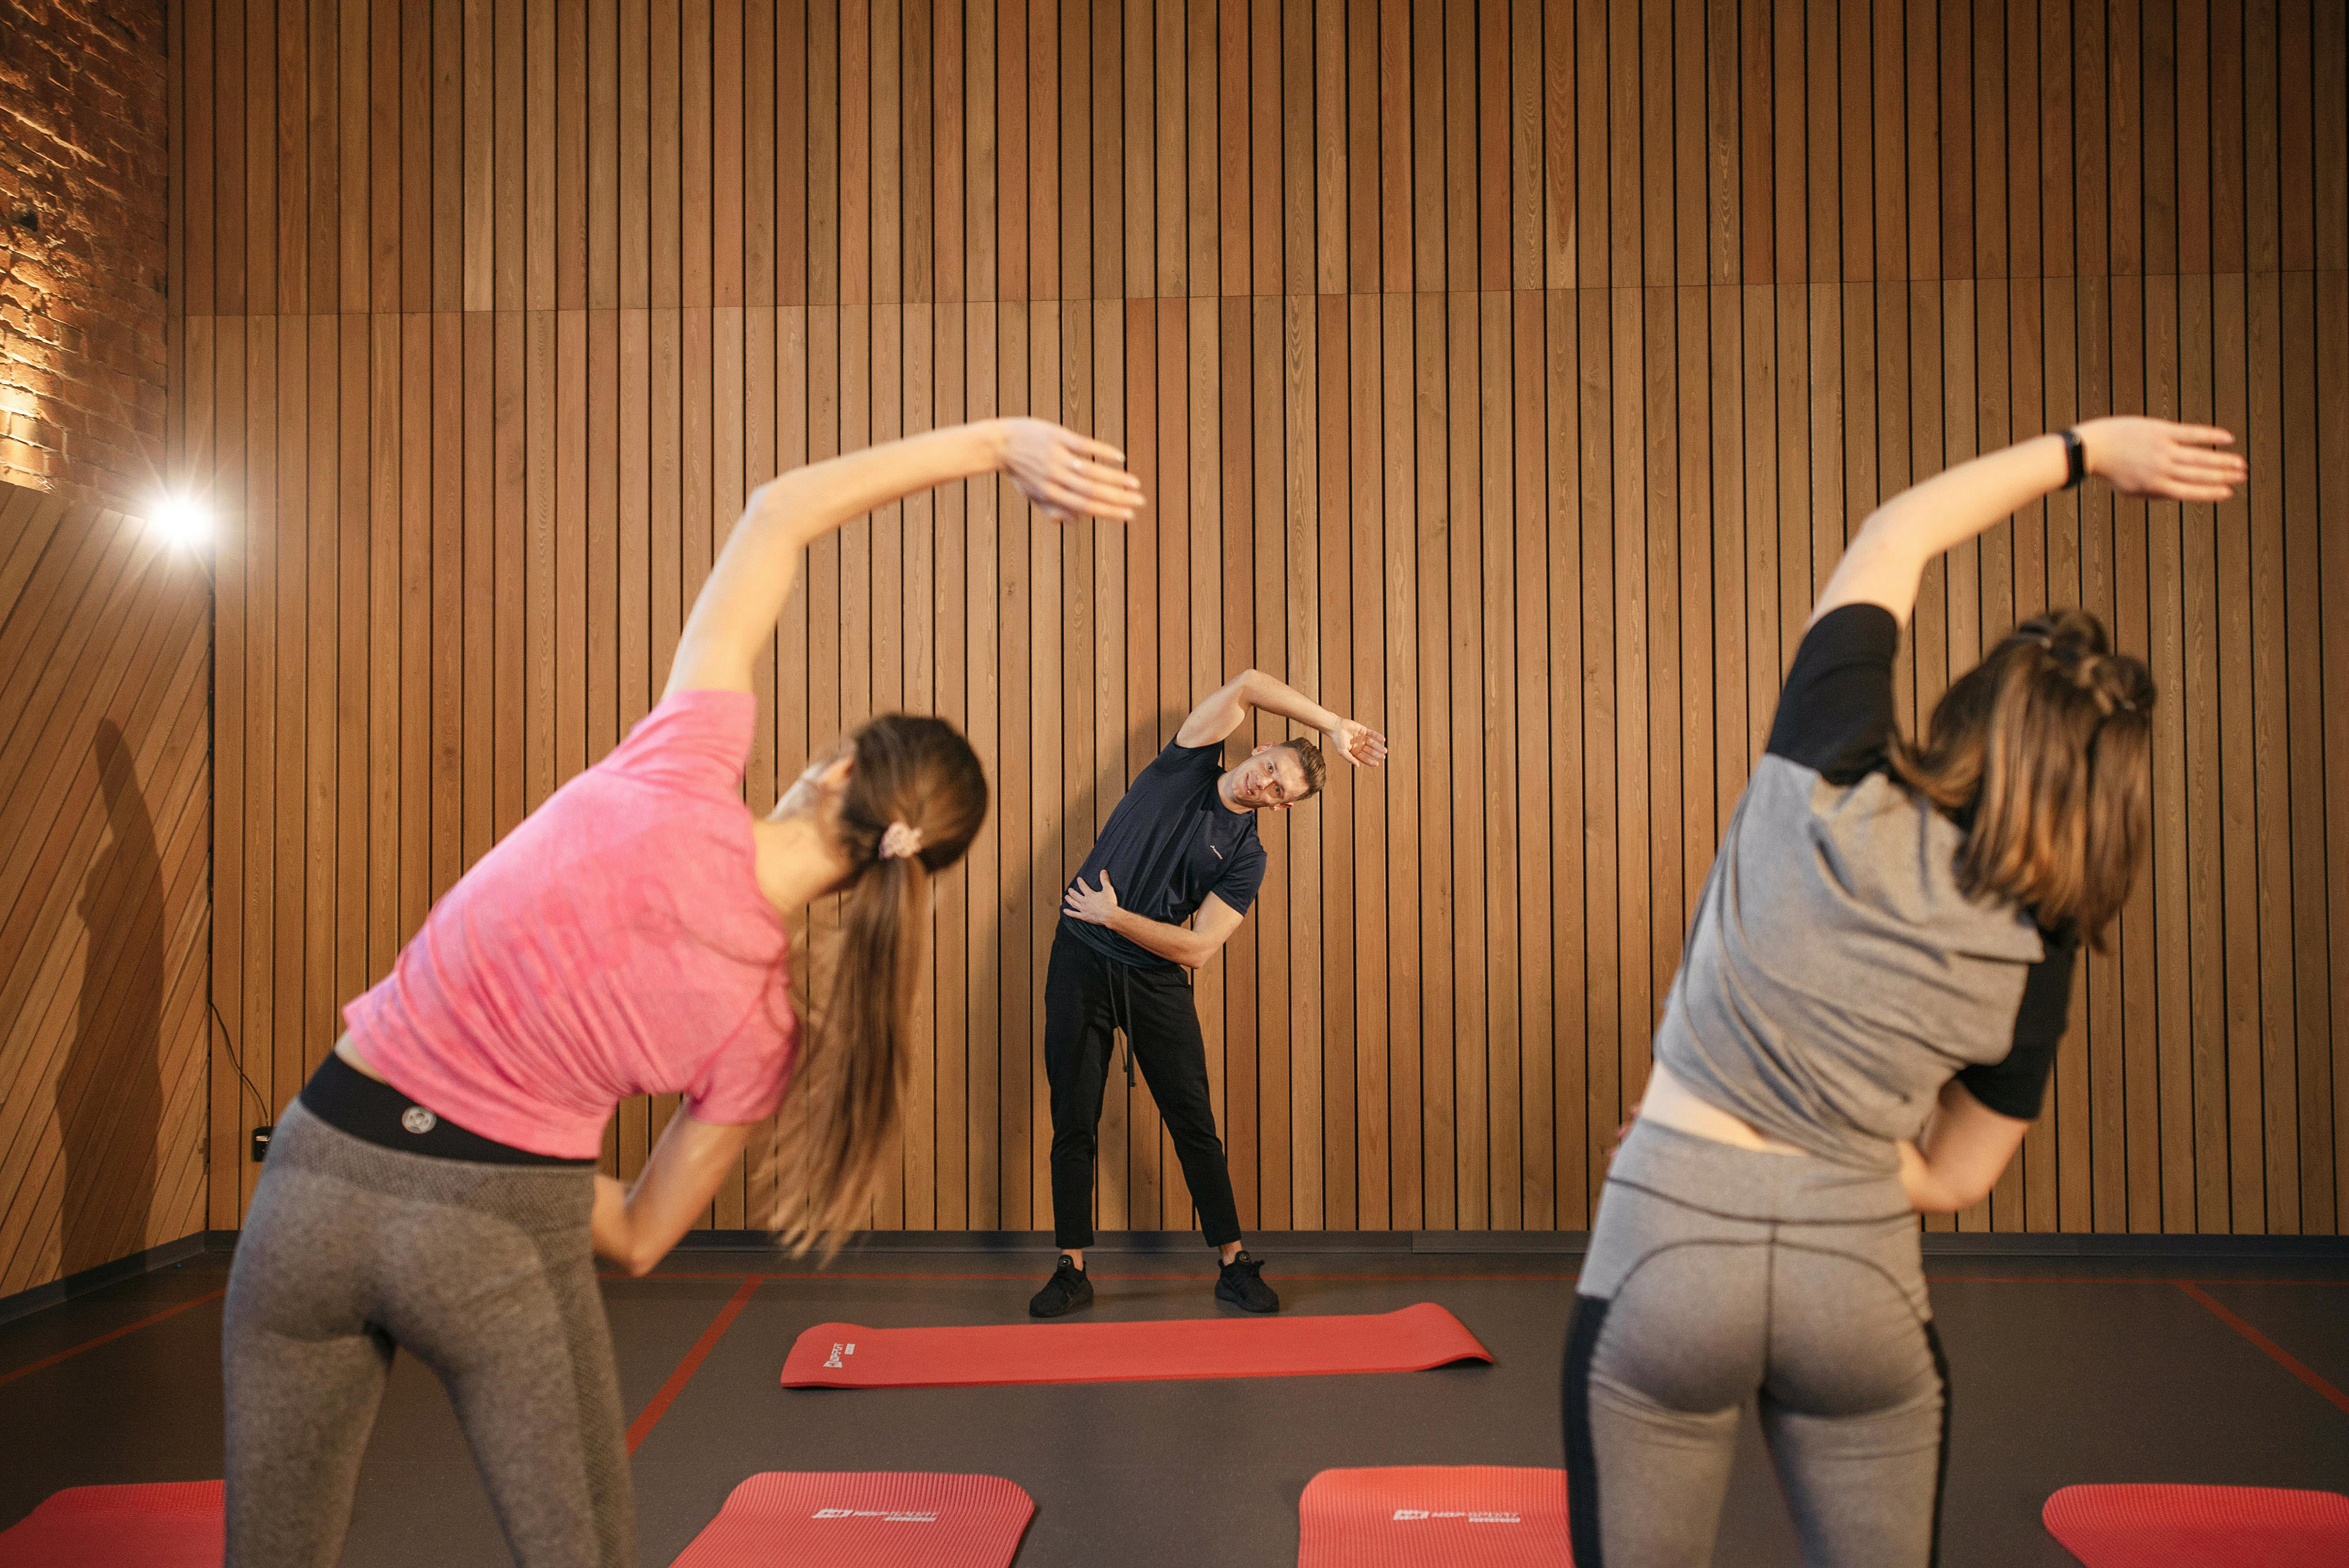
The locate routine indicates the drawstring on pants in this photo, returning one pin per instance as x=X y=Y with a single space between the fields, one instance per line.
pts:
x=1121 y=1015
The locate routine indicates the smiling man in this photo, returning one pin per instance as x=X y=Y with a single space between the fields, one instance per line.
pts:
x=1181 y=843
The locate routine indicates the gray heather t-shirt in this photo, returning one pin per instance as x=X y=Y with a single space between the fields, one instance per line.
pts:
x=1835 y=978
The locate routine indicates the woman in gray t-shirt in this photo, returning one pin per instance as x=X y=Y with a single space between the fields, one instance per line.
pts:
x=1874 y=984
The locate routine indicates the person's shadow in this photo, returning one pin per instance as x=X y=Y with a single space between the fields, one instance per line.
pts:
x=110 y=1096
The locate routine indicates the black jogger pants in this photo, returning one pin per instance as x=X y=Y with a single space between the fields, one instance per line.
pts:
x=1087 y=997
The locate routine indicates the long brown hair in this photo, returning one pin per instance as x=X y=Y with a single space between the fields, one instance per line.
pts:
x=851 y=1083
x=2043 y=751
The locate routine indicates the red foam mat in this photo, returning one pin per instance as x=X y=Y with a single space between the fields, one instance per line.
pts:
x=819 y=1520
x=848 y=1355
x=1433 y=1516
x=163 y=1525
x=2199 y=1526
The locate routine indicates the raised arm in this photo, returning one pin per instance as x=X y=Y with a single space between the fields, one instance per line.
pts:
x=1886 y=559
x=1065 y=475
x=1214 y=720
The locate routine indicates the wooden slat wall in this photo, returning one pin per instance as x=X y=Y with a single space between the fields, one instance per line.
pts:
x=1506 y=372
x=105 y=844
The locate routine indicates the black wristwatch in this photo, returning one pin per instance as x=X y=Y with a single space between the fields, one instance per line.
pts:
x=2076 y=459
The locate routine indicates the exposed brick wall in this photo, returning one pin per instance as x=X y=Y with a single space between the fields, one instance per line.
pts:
x=85 y=204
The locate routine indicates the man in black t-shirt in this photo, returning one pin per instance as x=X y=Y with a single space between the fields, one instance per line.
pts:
x=1181 y=843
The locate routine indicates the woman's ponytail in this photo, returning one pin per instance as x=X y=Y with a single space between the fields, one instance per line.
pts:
x=915 y=798
x=2045 y=751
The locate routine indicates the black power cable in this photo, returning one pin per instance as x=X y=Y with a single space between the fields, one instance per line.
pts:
x=201 y=553
x=229 y=1042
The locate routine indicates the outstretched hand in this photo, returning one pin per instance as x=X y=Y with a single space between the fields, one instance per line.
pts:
x=2163 y=461
x=1358 y=742
x=1094 y=906
x=1065 y=476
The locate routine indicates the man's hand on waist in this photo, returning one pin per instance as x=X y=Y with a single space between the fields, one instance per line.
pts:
x=1094 y=906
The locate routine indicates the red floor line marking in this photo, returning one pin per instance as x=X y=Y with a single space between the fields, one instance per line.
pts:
x=104 y=1338
x=2112 y=1279
x=2282 y=1357
x=649 y=1417
x=2050 y=1279
x=1198 y=1278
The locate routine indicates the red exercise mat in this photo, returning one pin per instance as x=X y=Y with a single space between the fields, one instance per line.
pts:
x=848 y=1355
x=160 y=1524
x=823 y=1520
x=1433 y=1516
x=2199 y=1526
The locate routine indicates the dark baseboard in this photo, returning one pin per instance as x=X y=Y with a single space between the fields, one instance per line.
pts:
x=24 y=1303
x=1545 y=1243
x=1039 y=1242
x=2102 y=1244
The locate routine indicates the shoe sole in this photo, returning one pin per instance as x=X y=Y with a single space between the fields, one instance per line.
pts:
x=1072 y=1306
x=1222 y=1295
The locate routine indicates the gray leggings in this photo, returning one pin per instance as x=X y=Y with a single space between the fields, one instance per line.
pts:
x=486 y=1274
x=1718 y=1274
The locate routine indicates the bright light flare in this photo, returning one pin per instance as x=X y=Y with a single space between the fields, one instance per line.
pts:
x=181 y=522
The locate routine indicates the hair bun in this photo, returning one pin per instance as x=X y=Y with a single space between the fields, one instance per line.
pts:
x=2070 y=633
x=2122 y=685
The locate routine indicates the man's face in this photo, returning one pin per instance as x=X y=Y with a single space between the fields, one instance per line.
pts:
x=1271 y=779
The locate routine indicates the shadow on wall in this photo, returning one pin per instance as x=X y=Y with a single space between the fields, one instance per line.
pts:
x=109 y=1097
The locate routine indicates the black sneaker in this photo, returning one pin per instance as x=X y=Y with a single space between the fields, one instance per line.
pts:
x=1068 y=1289
x=1243 y=1285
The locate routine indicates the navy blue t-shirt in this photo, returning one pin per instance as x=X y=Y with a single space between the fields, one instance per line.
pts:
x=1171 y=842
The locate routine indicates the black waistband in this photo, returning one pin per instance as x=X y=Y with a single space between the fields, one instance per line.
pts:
x=344 y=1098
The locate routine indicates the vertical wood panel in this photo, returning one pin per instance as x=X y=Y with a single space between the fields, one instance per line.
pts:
x=1507 y=374
x=2332 y=482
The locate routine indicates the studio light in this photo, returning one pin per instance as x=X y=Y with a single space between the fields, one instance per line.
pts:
x=181 y=522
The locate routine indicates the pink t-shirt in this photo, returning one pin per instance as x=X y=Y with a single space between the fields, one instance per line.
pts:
x=614 y=943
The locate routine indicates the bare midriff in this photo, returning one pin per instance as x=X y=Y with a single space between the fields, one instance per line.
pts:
x=350 y=1053
x=1670 y=1103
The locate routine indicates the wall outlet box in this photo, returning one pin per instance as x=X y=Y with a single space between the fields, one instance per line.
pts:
x=261 y=1142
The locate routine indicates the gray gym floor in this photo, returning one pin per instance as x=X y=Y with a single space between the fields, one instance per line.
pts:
x=2066 y=1370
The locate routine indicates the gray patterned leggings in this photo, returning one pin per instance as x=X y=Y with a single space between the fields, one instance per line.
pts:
x=1719 y=1275
x=485 y=1273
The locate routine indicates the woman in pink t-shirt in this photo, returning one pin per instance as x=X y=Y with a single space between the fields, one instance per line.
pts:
x=434 y=1187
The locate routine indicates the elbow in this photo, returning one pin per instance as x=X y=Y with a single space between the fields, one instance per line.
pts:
x=1966 y=1197
x=1195 y=958
x=782 y=502
x=784 y=488
x=1947 y=1197
x=1891 y=528
x=642 y=1260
